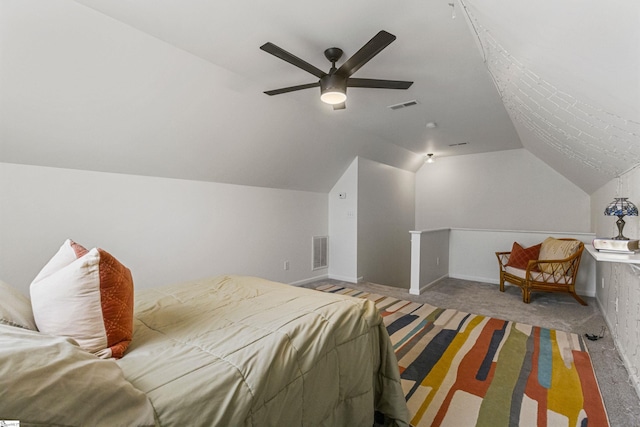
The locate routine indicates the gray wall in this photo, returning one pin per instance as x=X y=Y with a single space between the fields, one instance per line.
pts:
x=386 y=214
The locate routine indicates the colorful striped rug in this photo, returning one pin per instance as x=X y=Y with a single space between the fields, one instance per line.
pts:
x=460 y=369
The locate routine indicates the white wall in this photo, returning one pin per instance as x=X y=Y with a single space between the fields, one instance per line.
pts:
x=343 y=226
x=164 y=230
x=506 y=190
x=386 y=212
x=618 y=285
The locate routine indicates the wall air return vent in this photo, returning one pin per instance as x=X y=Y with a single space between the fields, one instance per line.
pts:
x=403 y=105
x=320 y=249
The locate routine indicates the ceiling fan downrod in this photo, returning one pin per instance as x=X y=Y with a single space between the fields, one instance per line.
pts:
x=333 y=54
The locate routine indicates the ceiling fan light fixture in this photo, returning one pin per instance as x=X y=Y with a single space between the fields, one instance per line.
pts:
x=333 y=89
x=333 y=97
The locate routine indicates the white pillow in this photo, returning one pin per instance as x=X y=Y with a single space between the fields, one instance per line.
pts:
x=15 y=308
x=87 y=296
x=68 y=252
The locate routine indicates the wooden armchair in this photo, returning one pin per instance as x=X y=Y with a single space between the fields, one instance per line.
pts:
x=547 y=275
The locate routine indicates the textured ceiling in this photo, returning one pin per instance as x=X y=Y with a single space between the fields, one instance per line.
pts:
x=570 y=80
x=165 y=88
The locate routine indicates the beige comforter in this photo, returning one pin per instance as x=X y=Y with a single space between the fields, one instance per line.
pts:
x=242 y=351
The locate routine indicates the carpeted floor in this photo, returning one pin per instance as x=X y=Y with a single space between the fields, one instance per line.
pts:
x=555 y=311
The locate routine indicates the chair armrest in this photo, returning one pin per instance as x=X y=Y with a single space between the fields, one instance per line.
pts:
x=503 y=259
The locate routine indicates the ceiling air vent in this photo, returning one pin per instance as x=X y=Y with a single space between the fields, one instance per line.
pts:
x=403 y=105
x=460 y=143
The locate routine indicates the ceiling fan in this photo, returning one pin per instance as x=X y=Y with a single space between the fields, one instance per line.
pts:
x=333 y=85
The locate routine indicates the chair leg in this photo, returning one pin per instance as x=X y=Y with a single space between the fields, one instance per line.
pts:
x=501 y=283
x=580 y=300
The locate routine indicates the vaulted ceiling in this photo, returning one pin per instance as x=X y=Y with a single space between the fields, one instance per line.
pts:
x=175 y=89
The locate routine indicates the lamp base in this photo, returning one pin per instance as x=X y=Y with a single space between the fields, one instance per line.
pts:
x=620 y=224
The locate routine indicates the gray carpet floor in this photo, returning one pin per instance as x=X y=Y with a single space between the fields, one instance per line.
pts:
x=555 y=311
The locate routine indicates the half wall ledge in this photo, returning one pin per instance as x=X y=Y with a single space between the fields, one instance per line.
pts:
x=469 y=254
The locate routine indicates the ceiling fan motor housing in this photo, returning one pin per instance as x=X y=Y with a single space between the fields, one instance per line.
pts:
x=333 y=89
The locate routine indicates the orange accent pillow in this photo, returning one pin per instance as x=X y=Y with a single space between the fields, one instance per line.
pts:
x=87 y=296
x=520 y=256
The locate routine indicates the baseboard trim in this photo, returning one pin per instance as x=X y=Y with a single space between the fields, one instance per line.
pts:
x=428 y=285
x=309 y=280
x=325 y=277
x=497 y=282
x=345 y=278
x=475 y=279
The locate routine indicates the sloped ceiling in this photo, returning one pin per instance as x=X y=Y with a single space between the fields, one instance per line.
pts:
x=174 y=89
x=569 y=76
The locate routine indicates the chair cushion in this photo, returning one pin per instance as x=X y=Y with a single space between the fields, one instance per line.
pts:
x=519 y=257
x=540 y=276
x=557 y=249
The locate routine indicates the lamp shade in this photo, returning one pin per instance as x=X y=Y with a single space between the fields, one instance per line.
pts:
x=621 y=207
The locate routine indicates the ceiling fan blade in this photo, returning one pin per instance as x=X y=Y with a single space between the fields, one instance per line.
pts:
x=340 y=106
x=291 y=88
x=292 y=59
x=366 y=52
x=379 y=84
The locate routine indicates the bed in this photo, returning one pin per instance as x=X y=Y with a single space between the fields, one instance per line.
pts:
x=224 y=351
